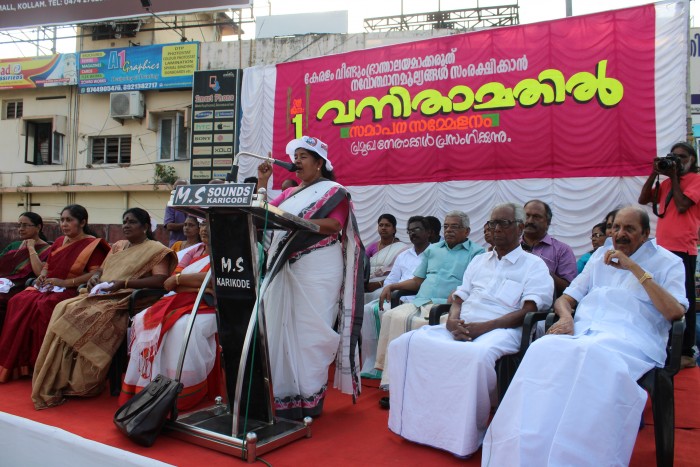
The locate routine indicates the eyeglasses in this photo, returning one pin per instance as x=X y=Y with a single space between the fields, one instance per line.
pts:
x=502 y=223
x=414 y=230
x=22 y=225
x=597 y=235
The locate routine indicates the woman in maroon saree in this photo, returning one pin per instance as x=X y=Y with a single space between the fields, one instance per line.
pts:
x=22 y=259
x=72 y=258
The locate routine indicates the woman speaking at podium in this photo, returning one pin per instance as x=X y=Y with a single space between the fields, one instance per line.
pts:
x=314 y=301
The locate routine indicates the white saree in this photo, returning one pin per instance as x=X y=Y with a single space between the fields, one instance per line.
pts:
x=312 y=294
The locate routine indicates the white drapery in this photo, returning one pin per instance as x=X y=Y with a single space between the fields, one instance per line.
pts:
x=578 y=203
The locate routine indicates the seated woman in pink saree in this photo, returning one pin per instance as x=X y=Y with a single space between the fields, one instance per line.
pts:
x=157 y=334
x=22 y=259
x=86 y=331
x=72 y=258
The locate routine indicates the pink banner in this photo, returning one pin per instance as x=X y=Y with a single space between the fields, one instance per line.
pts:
x=566 y=98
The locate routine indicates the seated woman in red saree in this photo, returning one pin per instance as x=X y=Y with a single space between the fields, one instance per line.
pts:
x=72 y=258
x=157 y=334
x=22 y=259
x=86 y=331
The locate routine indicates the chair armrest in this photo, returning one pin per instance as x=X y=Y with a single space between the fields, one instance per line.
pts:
x=673 y=359
x=436 y=311
x=397 y=294
x=529 y=324
x=553 y=318
x=140 y=294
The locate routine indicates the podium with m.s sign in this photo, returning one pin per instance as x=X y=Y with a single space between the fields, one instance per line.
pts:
x=242 y=422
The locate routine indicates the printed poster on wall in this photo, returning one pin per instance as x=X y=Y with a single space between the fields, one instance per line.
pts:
x=167 y=66
x=214 y=124
x=38 y=72
x=566 y=98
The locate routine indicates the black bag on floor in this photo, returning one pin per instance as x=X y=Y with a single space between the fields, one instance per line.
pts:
x=143 y=416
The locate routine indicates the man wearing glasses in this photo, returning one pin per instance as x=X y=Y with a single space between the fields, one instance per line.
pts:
x=443 y=378
x=419 y=232
x=575 y=399
x=439 y=274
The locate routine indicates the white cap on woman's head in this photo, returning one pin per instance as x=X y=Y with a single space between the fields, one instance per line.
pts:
x=312 y=144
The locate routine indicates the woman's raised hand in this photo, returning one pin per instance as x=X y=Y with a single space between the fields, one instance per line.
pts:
x=264 y=171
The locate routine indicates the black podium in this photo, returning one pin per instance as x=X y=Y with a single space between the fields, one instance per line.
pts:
x=243 y=421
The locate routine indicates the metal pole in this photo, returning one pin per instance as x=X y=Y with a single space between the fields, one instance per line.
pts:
x=569 y=8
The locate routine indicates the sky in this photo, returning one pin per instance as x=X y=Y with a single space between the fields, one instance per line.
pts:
x=530 y=11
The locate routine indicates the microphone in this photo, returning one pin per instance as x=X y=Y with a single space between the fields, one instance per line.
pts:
x=234 y=167
x=287 y=165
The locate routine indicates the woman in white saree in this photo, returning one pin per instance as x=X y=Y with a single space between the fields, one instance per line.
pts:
x=157 y=334
x=382 y=255
x=192 y=239
x=313 y=305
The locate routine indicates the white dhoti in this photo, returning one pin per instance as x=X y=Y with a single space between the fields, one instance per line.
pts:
x=442 y=390
x=573 y=401
x=371 y=323
x=395 y=322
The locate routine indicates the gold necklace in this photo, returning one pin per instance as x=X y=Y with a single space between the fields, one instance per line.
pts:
x=132 y=244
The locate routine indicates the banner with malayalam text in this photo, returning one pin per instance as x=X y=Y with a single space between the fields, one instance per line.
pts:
x=567 y=98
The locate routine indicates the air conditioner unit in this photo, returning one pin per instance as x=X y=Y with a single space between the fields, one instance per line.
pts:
x=126 y=104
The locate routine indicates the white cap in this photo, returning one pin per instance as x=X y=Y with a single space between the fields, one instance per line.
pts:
x=312 y=144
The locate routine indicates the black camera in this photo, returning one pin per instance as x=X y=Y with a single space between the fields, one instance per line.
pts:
x=668 y=161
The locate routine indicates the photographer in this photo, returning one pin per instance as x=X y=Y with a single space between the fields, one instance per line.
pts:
x=675 y=202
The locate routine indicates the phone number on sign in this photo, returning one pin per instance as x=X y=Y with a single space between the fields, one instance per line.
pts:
x=119 y=87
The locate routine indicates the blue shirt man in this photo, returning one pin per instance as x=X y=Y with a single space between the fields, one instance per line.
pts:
x=439 y=274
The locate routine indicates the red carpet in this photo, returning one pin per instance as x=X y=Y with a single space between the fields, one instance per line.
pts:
x=344 y=435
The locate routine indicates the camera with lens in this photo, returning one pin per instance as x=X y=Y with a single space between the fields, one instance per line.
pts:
x=668 y=161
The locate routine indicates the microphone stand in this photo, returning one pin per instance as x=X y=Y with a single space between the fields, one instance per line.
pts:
x=233 y=175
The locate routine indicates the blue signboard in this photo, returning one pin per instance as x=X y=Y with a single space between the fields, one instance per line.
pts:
x=166 y=66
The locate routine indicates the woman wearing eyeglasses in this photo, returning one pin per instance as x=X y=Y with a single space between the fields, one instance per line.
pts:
x=22 y=259
x=597 y=240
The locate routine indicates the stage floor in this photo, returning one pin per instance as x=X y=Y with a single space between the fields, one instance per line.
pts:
x=345 y=434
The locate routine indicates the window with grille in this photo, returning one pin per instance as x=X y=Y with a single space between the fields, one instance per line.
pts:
x=110 y=149
x=13 y=110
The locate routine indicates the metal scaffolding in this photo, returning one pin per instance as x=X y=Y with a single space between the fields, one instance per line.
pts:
x=461 y=20
x=44 y=38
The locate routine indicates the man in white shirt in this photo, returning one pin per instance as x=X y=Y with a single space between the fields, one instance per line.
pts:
x=443 y=378
x=404 y=265
x=575 y=398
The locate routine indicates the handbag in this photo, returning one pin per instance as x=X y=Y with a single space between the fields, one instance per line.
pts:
x=142 y=418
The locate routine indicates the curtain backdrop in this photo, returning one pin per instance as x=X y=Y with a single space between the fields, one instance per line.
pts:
x=631 y=132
